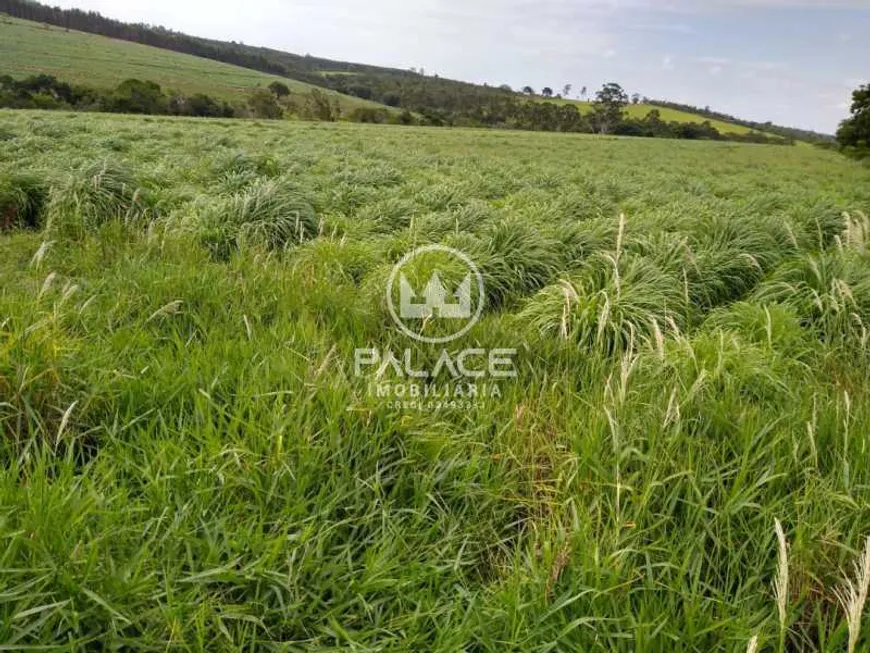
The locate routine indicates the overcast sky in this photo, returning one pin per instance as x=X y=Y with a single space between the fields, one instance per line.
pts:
x=794 y=62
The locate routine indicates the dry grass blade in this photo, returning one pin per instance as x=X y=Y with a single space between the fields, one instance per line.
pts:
x=852 y=595
x=780 y=584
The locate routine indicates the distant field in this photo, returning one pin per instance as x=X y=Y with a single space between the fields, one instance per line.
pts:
x=28 y=48
x=192 y=462
x=668 y=115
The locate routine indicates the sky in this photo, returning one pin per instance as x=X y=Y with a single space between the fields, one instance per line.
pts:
x=794 y=62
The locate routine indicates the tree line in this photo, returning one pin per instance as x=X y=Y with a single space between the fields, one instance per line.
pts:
x=277 y=101
x=135 y=96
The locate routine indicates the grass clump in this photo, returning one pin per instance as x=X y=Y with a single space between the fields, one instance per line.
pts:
x=94 y=195
x=268 y=214
x=830 y=291
x=22 y=201
x=236 y=171
x=613 y=302
x=515 y=259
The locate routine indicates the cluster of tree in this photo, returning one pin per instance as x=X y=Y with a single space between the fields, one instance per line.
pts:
x=145 y=97
x=786 y=132
x=652 y=126
x=508 y=111
x=130 y=96
x=854 y=133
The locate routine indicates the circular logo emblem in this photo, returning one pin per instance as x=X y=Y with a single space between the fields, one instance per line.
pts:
x=435 y=284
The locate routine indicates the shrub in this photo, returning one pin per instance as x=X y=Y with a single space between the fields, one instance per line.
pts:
x=369 y=115
x=263 y=104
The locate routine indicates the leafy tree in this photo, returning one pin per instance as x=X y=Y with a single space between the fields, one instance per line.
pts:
x=612 y=94
x=566 y=90
x=608 y=108
x=369 y=114
x=584 y=92
x=203 y=106
x=361 y=91
x=323 y=107
x=854 y=133
x=635 y=99
x=547 y=91
x=263 y=104
x=135 y=96
x=528 y=90
x=279 y=90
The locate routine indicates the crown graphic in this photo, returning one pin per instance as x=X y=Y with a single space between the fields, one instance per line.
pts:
x=434 y=302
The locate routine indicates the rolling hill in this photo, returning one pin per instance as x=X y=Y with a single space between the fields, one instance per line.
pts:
x=28 y=48
x=438 y=100
x=639 y=111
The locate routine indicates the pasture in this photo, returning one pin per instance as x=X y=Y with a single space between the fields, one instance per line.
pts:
x=28 y=48
x=191 y=463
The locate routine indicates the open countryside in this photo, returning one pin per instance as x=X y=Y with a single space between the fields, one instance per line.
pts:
x=292 y=382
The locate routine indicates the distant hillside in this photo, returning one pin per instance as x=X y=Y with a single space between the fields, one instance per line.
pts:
x=639 y=111
x=767 y=127
x=28 y=48
x=274 y=62
x=432 y=99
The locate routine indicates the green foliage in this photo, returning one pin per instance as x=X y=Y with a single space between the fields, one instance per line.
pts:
x=263 y=104
x=613 y=303
x=515 y=259
x=131 y=96
x=323 y=107
x=830 y=291
x=854 y=133
x=279 y=89
x=607 y=110
x=134 y=96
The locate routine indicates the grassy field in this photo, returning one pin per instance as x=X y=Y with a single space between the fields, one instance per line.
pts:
x=668 y=115
x=28 y=48
x=191 y=463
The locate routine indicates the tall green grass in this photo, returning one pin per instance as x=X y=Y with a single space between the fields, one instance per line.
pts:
x=190 y=463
